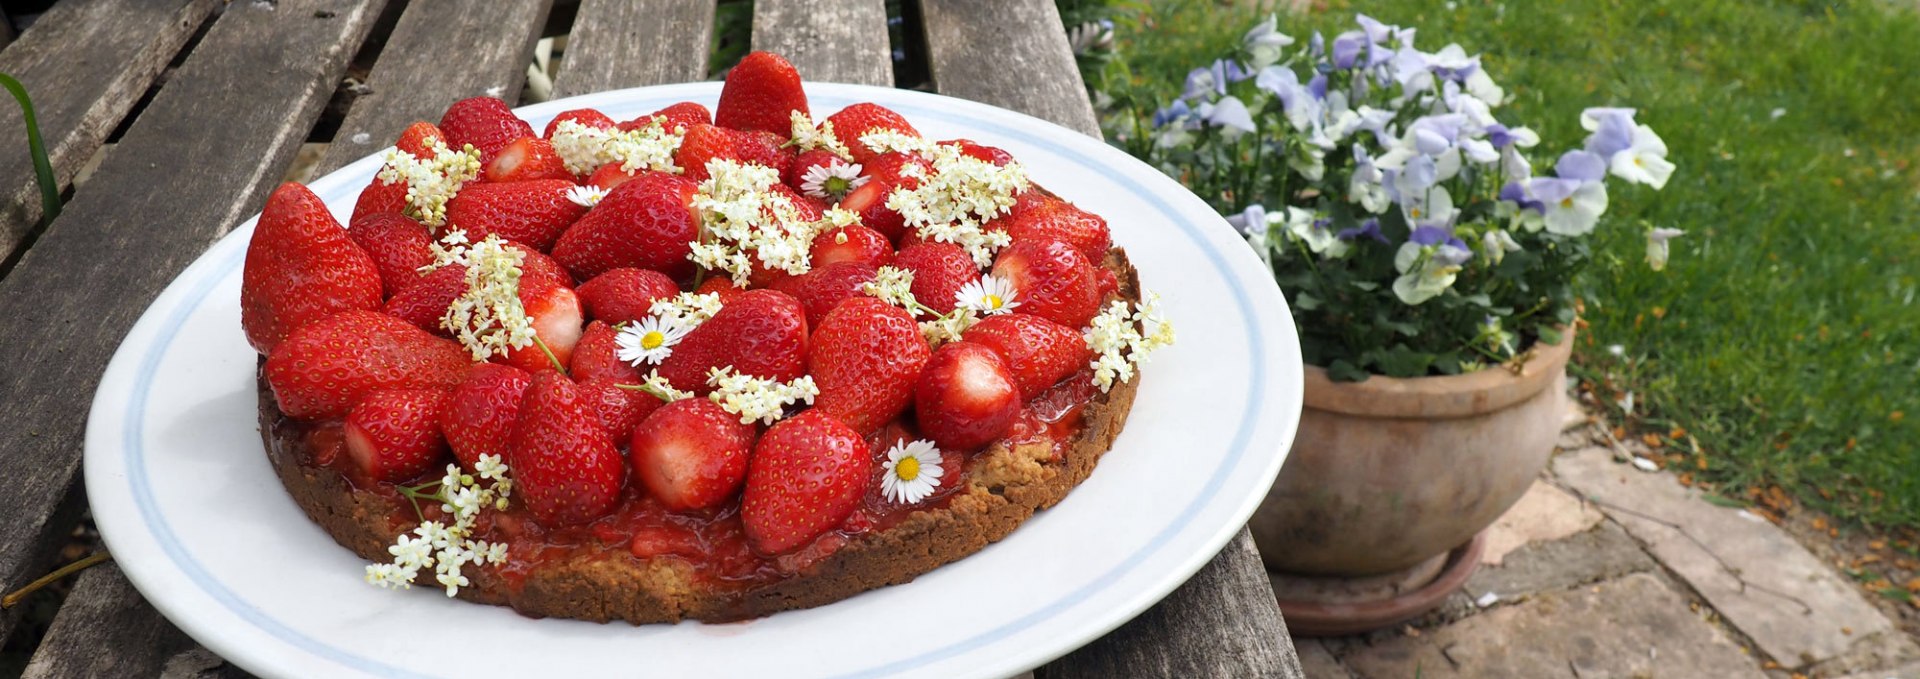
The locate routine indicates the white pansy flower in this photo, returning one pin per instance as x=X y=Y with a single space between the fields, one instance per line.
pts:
x=1657 y=246
x=832 y=181
x=912 y=471
x=1497 y=243
x=1433 y=205
x=1122 y=338
x=649 y=340
x=758 y=398
x=1425 y=272
x=1264 y=43
x=1645 y=161
x=991 y=295
x=433 y=181
x=1572 y=213
x=1307 y=227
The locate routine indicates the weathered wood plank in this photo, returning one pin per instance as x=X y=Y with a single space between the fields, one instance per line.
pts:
x=827 y=40
x=204 y=154
x=440 y=51
x=1011 y=54
x=85 y=63
x=616 y=44
x=1222 y=623
x=106 y=630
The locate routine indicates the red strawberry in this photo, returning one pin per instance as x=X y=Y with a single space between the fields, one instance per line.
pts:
x=764 y=148
x=379 y=197
x=1050 y=218
x=870 y=202
x=825 y=287
x=556 y=318
x=691 y=454
x=1038 y=352
x=585 y=116
x=611 y=176
x=620 y=410
x=991 y=154
x=301 y=267
x=965 y=398
x=394 y=434
x=702 y=143
x=483 y=411
x=683 y=114
x=806 y=207
x=1052 y=280
x=597 y=356
x=398 y=246
x=761 y=93
x=538 y=268
x=865 y=356
x=625 y=294
x=796 y=172
x=647 y=223
x=855 y=121
x=326 y=366
x=851 y=244
x=566 y=469
x=939 y=271
x=722 y=286
x=891 y=167
x=533 y=213
x=484 y=122
x=415 y=139
x=759 y=332
x=808 y=473
x=426 y=301
x=527 y=159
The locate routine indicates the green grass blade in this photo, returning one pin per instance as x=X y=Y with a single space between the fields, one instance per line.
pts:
x=42 y=168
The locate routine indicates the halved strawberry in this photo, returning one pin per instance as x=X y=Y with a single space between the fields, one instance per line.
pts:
x=484 y=122
x=825 y=287
x=1038 y=352
x=585 y=116
x=691 y=454
x=394 y=434
x=683 y=114
x=483 y=412
x=1047 y=217
x=621 y=410
x=527 y=159
x=761 y=93
x=557 y=320
x=857 y=120
x=597 y=356
x=533 y=213
x=625 y=294
x=416 y=138
x=808 y=473
x=870 y=202
x=1052 y=280
x=398 y=246
x=301 y=267
x=378 y=197
x=326 y=366
x=425 y=302
x=611 y=175
x=865 y=356
x=758 y=332
x=647 y=223
x=853 y=243
x=940 y=270
x=566 y=469
x=965 y=398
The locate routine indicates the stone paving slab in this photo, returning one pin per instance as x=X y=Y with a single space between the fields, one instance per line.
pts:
x=1908 y=672
x=1544 y=513
x=1834 y=615
x=1318 y=662
x=1604 y=552
x=1634 y=626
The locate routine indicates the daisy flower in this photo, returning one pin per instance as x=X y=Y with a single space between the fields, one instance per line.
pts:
x=831 y=181
x=586 y=196
x=648 y=340
x=991 y=295
x=912 y=471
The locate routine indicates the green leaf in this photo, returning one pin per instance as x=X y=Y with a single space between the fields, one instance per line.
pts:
x=1343 y=371
x=1722 y=501
x=1306 y=302
x=1549 y=335
x=42 y=169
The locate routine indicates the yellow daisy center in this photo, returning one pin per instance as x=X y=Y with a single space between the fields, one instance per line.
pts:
x=908 y=468
x=652 y=340
x=994 y=301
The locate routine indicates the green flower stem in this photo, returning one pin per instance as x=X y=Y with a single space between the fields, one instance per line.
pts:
x=649 y=390
x=549 y=352
x=42 y=168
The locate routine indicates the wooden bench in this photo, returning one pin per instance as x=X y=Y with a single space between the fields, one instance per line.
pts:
x=231 y=92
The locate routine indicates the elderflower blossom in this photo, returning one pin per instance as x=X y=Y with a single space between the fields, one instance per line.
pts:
x=448 y=548
x=487 y=319
x=892 y=285
x=885 y=140
x=807 y=136
x=433 y=181
x=758 y=398
x=1119 y=343
x=741 y=220
x=686 y=310
x=585 y=148
x=954 y=203
x=948 y=327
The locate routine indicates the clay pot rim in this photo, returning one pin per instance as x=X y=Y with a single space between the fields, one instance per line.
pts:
x=1439 y=396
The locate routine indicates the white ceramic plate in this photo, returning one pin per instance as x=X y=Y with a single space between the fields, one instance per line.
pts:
x=195 y=516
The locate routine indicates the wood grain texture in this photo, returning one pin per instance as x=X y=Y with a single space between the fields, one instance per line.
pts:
x=106 y=630
x=85 y=63
x=827 y=40
x=1011 y=53
x=203 y=155
x=441 y=51
x=1222 y=623
x=617 y=44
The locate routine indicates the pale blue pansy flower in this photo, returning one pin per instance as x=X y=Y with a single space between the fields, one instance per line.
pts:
x=1582 y=166
x=1496 y=243
x=1569 y=207
x=1264 y=43
x=1367 y=229
x=1311 y=229
x=1612 y=130
x=1657 y=246
x=1229 y=113
x=1644 y=161
x=1453 y=63
x=1250 y=220
x=1426 y=270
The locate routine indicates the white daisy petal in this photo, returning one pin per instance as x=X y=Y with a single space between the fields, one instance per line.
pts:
x=991 y=295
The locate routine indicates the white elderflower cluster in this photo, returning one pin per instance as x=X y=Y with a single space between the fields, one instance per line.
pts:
x=953 y=204
x=758 y=398
x=431 y=182
x=686 y=310
x=585 y=148
x=884 y=140
x=892 y=285
x=1122 y=339
x=448 y=548
x=657 y=385
x=742 y=219
x=487 y=319
x=807 y=136
x=948 y=327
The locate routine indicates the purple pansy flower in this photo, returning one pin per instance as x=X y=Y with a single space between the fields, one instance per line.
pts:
x=1582 y=166
x=1369 y=229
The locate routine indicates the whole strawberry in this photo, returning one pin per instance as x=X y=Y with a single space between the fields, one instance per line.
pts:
x=565 y=467
x=808 y=473
x=865 y=357
x=825 y=287
x=1053 y=280
x=1038 y=352
x=625 y=294
x=394 y=434
x=852 y=243
x=531 y=213
x=691 y=454
x=301 y=267
x=620 y=410
x=759 y=332
x=417 y=139
x=378 y=197
x=483 y=411
x=597 y=356
x=965 y=398
x=761 y=93
x=325 y=367
x=857 y=120
x=425 y=302
x=585 y=116
x=484 y=122
x=1047 y=217
x=398 y=245
x=646 y=223
x=681 y=115
x=940 y=270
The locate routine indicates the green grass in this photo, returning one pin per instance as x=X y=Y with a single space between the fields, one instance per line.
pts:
x=1785 y=336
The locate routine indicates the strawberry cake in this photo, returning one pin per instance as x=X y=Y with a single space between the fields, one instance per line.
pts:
x=692 y=365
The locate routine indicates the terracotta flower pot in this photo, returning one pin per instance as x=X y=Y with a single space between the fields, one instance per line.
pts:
x=1387 y=473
